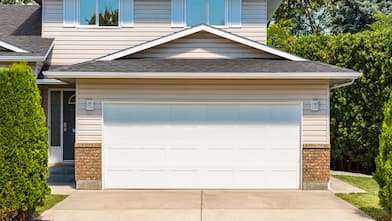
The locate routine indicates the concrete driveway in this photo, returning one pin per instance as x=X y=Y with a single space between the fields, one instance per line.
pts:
x=208 y=205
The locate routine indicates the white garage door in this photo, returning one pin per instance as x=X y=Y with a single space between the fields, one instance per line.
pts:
x=233 y=146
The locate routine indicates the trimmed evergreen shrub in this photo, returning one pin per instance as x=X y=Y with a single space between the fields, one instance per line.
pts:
x=23 y=144
x=383 y=174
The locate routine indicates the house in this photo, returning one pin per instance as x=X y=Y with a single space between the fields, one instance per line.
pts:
x=179 y=94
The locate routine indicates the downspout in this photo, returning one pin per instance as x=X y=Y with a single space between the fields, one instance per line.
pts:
x=342 y=85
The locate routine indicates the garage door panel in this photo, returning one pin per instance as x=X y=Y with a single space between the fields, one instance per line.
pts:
x=201 y=146
x=281 y=177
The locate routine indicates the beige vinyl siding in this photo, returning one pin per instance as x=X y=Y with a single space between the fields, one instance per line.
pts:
x=152 y=20
x=202 y=45
x=89 y=123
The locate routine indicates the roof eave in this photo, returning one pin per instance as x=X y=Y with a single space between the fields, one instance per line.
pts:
x=27 y=58
x=18 y=58
x=193 y=75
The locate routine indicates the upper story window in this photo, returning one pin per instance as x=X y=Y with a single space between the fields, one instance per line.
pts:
x=98 y=13
x=213 y=12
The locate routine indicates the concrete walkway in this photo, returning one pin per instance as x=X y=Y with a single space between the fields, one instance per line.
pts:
x=344 y=173
x=62 y=188
x=338 y=186
x=209 y=205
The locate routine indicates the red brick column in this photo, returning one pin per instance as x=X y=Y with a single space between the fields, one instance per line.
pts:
x=88 y=171
x=316 y=166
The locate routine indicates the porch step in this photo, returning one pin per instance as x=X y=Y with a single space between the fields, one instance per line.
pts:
x=61 y=174
x=61 y=179
x=62 y=170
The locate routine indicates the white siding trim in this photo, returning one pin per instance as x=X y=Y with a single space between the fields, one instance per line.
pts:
x=196 y=29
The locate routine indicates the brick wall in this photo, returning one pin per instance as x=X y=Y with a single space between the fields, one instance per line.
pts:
x=316 y=166
x=88 y=173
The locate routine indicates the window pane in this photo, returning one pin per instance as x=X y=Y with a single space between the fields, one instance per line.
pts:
x=87 y=12
x=55 y=115
x=217 y=12
x=196 y=12
x=108 y=12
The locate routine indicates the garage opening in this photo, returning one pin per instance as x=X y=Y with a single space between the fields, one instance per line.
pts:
x=201 y=146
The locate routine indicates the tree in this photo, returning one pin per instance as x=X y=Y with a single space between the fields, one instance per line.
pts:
x=356 y=110
x=107 y=18
x=307 y=16
x=23 y=144
x=383 y=174
x=352 y=16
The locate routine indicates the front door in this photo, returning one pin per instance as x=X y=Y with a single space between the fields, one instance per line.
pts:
x=61 y=125
x=68 y=125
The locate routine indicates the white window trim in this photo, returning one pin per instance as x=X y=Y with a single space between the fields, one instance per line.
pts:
x=120 y=25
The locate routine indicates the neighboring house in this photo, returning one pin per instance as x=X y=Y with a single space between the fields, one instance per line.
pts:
x=161 y=94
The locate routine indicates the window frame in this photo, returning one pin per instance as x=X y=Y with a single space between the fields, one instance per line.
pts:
x=97 y=17
x=226 y=25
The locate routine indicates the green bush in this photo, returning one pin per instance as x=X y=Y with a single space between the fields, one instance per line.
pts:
x=23 y=144
x=356 y=110
x=383 y=174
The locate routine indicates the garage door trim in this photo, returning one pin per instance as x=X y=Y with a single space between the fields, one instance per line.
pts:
x=297 y=103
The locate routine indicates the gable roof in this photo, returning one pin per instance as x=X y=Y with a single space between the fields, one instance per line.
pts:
x=193 y=30
x=20 y=34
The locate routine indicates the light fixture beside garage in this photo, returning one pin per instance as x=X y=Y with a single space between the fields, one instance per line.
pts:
x=315 y=105
x=90 y=105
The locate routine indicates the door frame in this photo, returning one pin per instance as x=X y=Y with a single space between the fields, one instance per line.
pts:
x=298 y=103
x=60 y=148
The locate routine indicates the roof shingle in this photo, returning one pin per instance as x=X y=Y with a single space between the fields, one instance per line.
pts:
x=201 y=65
x=20 y=25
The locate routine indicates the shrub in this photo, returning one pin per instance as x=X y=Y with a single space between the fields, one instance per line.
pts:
x=356 y=110
x=23 y=144
x=383 y=174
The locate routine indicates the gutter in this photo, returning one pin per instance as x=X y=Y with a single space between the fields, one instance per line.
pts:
x=342 y=85
x=50 y=82
x=23 y=58
x=208 y=75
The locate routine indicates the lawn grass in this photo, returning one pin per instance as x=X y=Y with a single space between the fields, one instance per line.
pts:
x=367 y=202
x=50 y=201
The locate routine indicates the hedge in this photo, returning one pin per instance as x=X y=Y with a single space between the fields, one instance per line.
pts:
x=23 y=144
x=356 y=110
